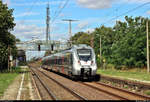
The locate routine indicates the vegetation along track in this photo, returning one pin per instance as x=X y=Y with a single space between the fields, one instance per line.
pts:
x=117 y=92
x=79 y=97
x=39 y=83
x=124 y=82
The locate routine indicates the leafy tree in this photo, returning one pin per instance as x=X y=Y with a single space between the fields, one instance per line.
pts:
x=17 y=40
x=6 y=38
x=81 y=38
x=107 y=37
x=129 y=48
x=122 y=45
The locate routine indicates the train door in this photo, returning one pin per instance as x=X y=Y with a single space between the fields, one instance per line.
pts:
x=70 y=69
x=71 y=61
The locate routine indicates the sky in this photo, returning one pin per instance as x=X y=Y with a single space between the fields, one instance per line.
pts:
x=30 y=16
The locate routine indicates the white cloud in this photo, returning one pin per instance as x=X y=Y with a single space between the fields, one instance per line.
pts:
x=102 y=4
x=30 y=4
x=95 y=4
x=7 y=2
x=31 y=21
x=136 y=1
x=26 y=32
x=87 y=23
x=148 y=12
x=37 y=3
x=89 y=30
x=27 y=14
x=83 y=25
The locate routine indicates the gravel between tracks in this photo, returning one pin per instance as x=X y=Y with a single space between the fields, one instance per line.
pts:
x=128 y=96
x=42 y=90
x=82 y=90
x=61 y=93
x=89 y=93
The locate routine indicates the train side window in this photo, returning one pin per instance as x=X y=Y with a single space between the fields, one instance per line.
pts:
x=52 y=61
x=60 y=61
x=71 y=59
x=65 y=60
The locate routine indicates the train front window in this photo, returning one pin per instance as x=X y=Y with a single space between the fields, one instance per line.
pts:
x=84 y=54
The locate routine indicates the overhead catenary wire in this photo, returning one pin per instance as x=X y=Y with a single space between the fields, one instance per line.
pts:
x=30 y=9
x=126 y=12
x=59 y=6
x=65 y=4
x=58 y=13
x=51 y=16
x=108 y=14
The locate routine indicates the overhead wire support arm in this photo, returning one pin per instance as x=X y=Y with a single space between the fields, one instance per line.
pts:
x=70 y=27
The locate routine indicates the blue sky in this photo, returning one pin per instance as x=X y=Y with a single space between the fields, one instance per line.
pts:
x=30 y=15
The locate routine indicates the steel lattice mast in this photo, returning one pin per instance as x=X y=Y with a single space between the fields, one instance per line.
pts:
x=48 y=24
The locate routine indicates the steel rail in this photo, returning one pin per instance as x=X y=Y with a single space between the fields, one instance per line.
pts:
x=105 y=91
x=36 y=86
x=68 y=89
x=47 y=89
x=125 y=91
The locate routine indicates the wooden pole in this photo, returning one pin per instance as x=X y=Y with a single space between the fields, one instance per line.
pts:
x=8 y=57
x=100 y=52
x=92 y=43
x=147 y=47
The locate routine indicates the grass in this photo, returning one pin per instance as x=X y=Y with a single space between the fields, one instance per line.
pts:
x=138 y=74
x=147 y=92
x=6 y=79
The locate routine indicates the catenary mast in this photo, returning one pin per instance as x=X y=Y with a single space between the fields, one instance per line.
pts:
x=48 y=24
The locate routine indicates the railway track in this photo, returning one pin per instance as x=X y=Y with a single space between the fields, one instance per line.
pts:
x=117 y=92
x=132 y=84
x=79 y=97
x=37 y=80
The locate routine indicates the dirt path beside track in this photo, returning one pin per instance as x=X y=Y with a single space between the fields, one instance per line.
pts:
x=16 y=91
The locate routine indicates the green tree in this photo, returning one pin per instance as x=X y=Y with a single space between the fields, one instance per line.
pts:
x=81 y=38
x=6 y=38
x=122 y=45
x=107 y=38
x=129 y=48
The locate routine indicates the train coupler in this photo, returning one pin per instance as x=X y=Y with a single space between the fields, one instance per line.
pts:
x=86 y=72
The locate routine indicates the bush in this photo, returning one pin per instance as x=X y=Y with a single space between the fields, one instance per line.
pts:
x=110 y=66
x=16 y=69
x=118 y=67
x=22 y=63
